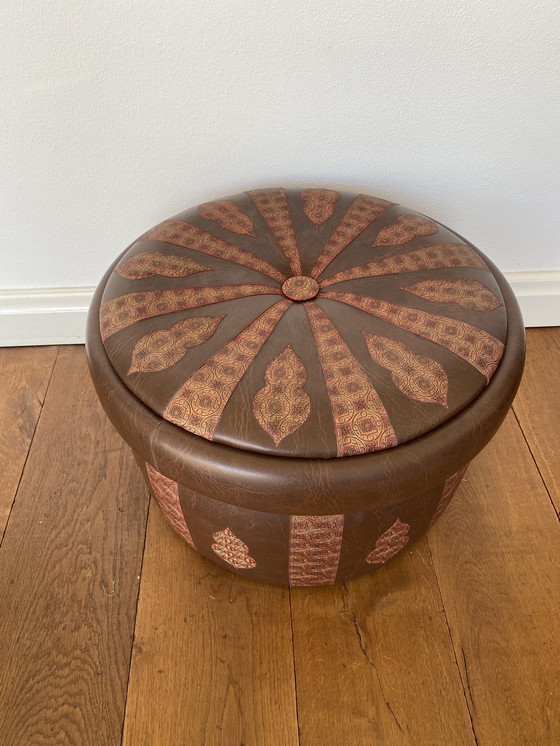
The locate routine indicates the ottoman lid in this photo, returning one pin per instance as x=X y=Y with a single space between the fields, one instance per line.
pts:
x=311 y=324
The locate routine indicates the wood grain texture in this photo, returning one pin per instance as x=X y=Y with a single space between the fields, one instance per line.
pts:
x=24 y=377
x=69 y=570
x=496 y=551
x=457 y=639
x=537 y=405
x=212 y=662
x=375 y=663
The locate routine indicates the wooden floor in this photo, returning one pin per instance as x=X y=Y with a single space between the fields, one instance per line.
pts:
x=112 y=630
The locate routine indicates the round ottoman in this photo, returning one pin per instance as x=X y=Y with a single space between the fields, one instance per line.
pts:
x=304 y=376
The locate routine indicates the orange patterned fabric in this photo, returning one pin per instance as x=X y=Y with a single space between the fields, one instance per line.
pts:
x=283 y=402
x=166 y=492
x=315 y=543
x=190 y=237
x=434 y=257
x=273 y=206
x=363 y=211
x=228 y=215
x=477 y=347
x=198 y=404
x=300 y=288
x=465 y=292
x=361 y=422
x=449 y=489
x=417 y=376
x=389 y=543
x=164 y=347
x=404 y=229
x=319 y=204
x=282 y=406
x=125 y=310
x=232 y=550
x=151 y=263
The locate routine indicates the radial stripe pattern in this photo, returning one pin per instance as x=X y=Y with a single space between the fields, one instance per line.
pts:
x=200 y=401
x=190 y=237
x=477 y=347
x=440 y=256
x=361 y=422
x=347 y=386
x=361 y=213
x=273 y=206
x=121 y=312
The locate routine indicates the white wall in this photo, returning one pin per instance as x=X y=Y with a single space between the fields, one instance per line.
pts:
x=118 y=114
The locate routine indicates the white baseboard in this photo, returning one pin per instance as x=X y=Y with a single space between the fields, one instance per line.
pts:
x=43 y=316
x=47 y=316
x=538 y=294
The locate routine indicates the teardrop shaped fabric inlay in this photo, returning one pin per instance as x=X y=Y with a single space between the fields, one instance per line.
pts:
x=405 y=229
x=389 y=543
x=228 y=215
x=232 y=550
x=150 y=263
x=417 y=376
x=370 y=367
x=282 y=406
x=319 y=204
x=164 y=347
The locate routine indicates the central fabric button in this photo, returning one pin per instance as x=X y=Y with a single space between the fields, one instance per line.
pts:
x=300 y=288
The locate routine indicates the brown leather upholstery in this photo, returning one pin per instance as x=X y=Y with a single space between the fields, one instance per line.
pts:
x=305 y=353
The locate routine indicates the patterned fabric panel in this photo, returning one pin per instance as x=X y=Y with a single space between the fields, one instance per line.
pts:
x=166 y=492
x=315 y=542
x=411 y=338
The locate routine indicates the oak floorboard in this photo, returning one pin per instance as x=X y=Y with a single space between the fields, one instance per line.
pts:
x=24 y=377
x=212 y=662
x=495 y=550
x=537 y=405
x=375 y=663
x=69 y=569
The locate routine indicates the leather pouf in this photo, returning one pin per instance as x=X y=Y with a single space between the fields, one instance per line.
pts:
x=304 y=376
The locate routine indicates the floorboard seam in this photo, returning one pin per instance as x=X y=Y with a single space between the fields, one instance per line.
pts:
x=150 y=502
x=295 y=668
x=453 y=644
x=24 y=465
x=535 y=461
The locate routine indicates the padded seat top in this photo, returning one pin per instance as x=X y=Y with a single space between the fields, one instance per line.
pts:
x=303 y=323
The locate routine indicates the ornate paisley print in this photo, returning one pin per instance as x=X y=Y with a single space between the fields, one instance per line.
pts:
x=405 y=229
x=164 y=347
x=166 y=492
x=273 y=206
x=465 y=292
x=361 y=213
x=154 y=263
x=228 y=215
x=121 y=312
x=389 y=543
x=314 y=552
x=319 y=204
x=435 y=257
x=417 y=376
x=449 y=489
x=232 y=550
x=296 y=364
x=481 y=350
x=190 y=237
x=361 y=422
x=199 y=402
x=282 y=405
